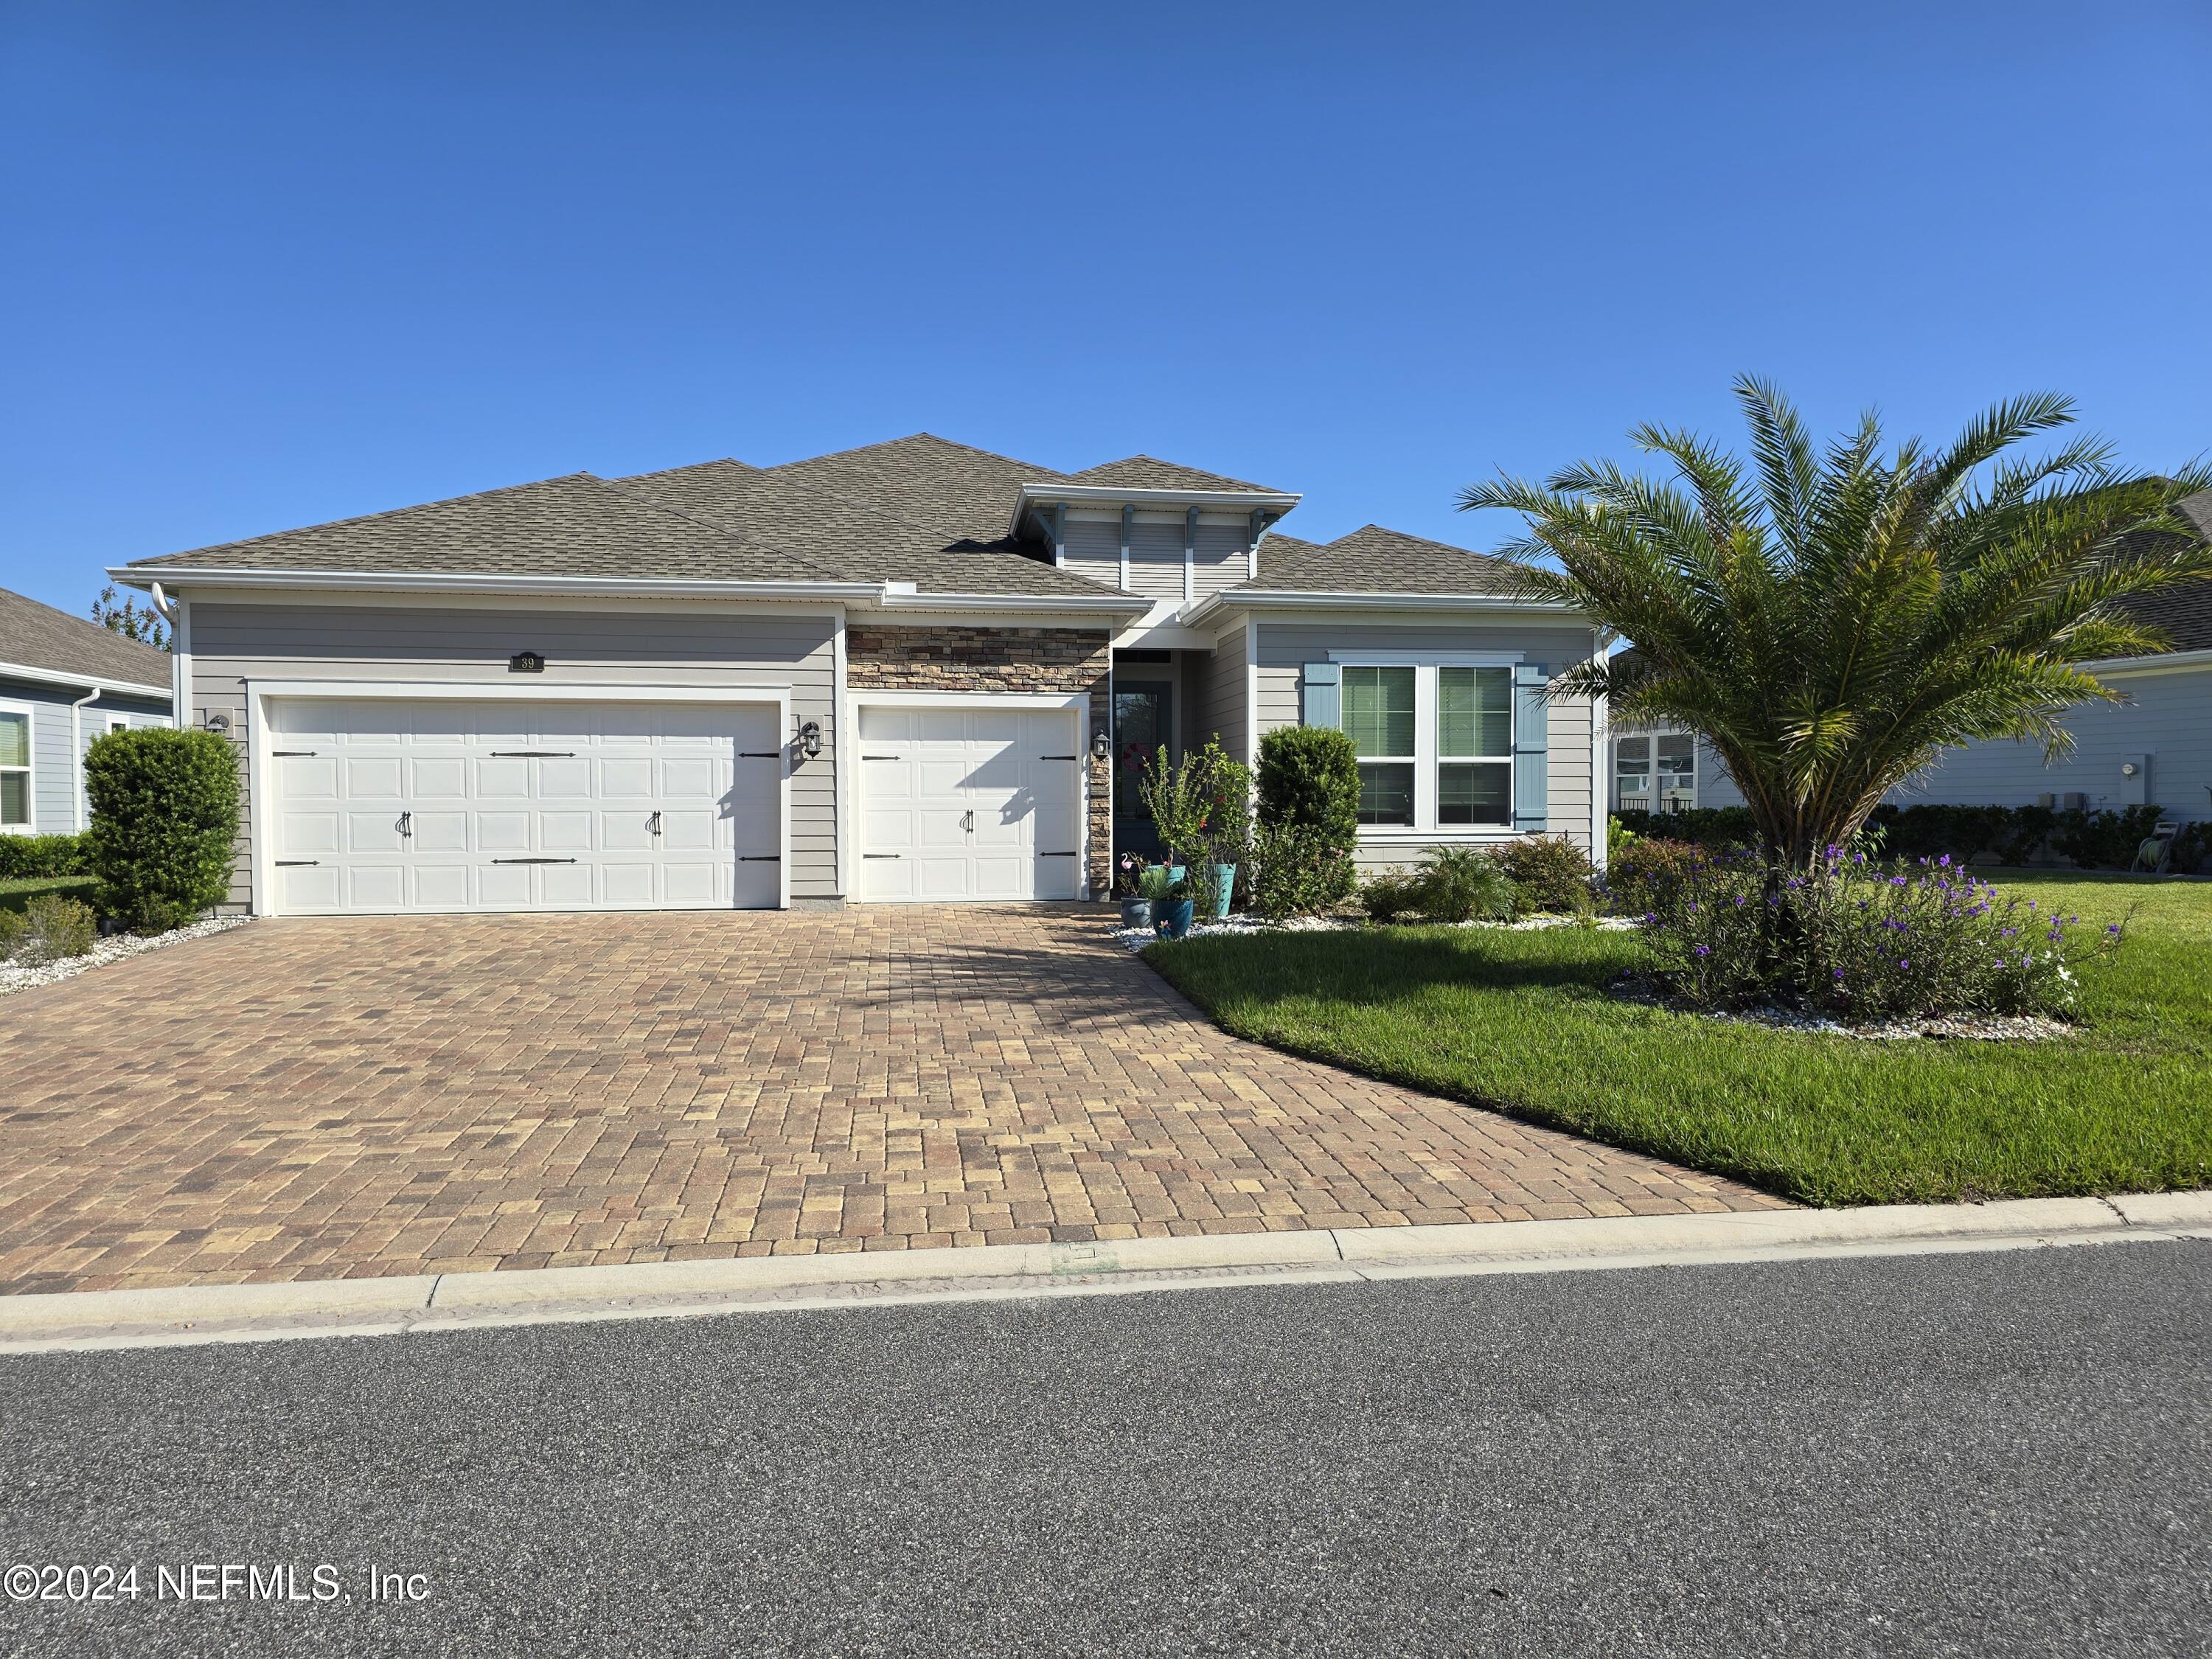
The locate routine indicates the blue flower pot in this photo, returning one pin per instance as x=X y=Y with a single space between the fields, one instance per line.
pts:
x=1136 y=913
x=1172 y=917
x=1224 y=888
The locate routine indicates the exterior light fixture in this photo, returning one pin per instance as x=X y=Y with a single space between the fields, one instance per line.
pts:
x=219 y=724
x=810 y=739
x=1101 y=745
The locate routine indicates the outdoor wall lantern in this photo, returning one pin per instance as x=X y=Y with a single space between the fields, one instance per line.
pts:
x=219 y=724
x=810 y=739
x=1101 y=745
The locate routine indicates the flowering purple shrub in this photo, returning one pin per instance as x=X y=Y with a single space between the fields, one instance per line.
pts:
x=1863 y=940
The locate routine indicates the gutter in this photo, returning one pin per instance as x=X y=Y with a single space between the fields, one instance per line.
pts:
x=902 y=596
x=17 y=671
x=77 y=758
x=2157 y=663
x=1238 y=598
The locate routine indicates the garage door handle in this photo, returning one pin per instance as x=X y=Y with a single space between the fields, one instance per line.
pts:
x=533 y=754
x=760 y=858
x=406 y=824
x=533 y=860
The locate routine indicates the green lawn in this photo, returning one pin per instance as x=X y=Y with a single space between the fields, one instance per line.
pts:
x=1521 y=1022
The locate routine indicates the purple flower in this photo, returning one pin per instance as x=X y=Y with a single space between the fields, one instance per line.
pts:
x=1704 y=950
x=1945 y=860
x=2114 y=929
x=1839 y=973
x=1902 y=962
x=1897 y=881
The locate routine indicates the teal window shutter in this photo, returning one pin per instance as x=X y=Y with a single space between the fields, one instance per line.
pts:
x=1532 y=781
x=1324 y=695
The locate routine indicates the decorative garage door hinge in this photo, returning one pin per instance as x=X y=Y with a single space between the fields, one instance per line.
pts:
x=533 y=860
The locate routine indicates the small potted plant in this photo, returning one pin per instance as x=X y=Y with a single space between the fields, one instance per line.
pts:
x=1172 y=913
x=1137 y=895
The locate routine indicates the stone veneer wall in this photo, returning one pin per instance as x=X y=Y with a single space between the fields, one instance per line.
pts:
x=1022 y=660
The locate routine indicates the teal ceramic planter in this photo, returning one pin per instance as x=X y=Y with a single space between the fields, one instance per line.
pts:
x=1172 y=917
x=1225 y=888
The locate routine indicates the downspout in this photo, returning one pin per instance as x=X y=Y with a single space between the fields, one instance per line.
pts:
x=76 y=758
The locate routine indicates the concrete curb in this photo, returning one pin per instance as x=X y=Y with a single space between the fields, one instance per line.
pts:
x=370 y=1307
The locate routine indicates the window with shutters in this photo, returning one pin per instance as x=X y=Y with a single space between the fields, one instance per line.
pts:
x=1435 y=741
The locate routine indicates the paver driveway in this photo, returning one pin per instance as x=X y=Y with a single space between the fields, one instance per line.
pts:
x=317 y=1099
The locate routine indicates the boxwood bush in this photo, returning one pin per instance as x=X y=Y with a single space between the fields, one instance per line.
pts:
x=1309 y=776
x=164 y=820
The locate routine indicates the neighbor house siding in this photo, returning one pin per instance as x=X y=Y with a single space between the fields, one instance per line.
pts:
x=959 y=658
x=2169 y=718
x=56 y=773
x=236 y=642
x=1287 y=648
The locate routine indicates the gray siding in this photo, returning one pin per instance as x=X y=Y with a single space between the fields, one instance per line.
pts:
x=1287 y=648
x=233 y=643
x=1219 y=557
x=1223 y=712
x=55 y=775
x=1156 y=559
x=1094 y=550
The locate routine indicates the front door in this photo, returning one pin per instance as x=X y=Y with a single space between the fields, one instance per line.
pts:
x=1144 y=723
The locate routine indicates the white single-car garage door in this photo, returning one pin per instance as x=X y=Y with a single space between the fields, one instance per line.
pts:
x=391 y=805
x=970 y=805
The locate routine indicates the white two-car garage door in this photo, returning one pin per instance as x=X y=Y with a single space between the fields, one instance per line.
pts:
x=391 y=804
x=958 y=804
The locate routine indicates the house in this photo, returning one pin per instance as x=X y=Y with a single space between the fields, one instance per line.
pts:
x=911 y=672
x=2153 y=748
x=63 y=683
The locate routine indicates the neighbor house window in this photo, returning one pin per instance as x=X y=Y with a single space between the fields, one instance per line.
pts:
x=1435 y=742
x=1379 y=719
x=14 y=769
x=1654 y=773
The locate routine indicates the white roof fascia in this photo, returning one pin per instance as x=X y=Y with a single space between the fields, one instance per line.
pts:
x=490 y=582
x=1235 y=598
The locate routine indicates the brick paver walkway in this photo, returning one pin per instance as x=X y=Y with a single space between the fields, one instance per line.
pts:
x=317 y=1099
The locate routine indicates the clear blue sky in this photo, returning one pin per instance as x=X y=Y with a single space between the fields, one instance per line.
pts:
x=268 y=265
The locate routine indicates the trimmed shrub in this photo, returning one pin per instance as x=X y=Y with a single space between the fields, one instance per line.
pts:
x=1464 y=883
x=2192 y=842
x=17 y=896
x=1708 y=826
x=164 y=822
x=1309 y=776
x=28 y=856
x=2104 y=841
x=51 y=928
x=1548 y=873
x=1297 y=870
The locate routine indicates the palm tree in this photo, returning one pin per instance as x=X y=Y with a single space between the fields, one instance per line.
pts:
x=1831 y=623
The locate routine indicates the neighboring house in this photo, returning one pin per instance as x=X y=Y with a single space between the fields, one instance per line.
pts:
x=2155 y=748
x=911 y=672
x=63 y=683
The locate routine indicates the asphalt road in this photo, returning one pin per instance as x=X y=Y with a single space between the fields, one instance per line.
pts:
x=1967 y=1454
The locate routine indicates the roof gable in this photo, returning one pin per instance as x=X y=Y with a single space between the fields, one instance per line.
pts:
x=1374 y=560
x=35 y=635
x=968 y=494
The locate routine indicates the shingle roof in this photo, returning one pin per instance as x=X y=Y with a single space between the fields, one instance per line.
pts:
x=1373 y=560
x=34 y=635
x=1149 y=472
x=857 y=540
x=969 y=493
x=577 y=526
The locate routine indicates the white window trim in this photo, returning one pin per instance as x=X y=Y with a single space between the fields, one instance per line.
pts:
x=1425 y=664
x=30 y=713
x=1651 y=734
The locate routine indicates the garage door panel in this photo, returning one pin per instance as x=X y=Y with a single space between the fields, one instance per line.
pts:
x=632 y=768
x=967 y=803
